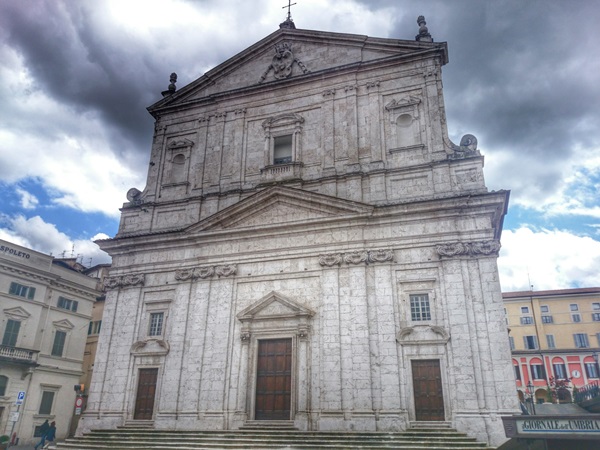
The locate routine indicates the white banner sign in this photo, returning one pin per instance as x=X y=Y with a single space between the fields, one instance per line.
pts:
x=579 y=426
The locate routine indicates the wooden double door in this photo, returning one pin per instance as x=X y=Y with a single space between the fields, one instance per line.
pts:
x=146 y=392
x=429 y=394
x=273 y=380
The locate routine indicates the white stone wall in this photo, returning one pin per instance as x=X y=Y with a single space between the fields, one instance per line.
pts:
x=377 y=205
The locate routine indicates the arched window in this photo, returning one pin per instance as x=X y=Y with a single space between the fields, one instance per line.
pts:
x=3 y=385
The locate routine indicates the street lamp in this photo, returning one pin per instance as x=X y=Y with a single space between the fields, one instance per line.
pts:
x=531 y=392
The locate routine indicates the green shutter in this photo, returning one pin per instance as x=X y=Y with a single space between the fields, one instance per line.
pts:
x=11 y=332
x=59 y=343
x=46 y=403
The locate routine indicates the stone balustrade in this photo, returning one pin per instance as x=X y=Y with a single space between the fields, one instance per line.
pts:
x=18 y=353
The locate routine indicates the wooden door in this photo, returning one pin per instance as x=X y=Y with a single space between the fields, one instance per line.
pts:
x=427 y=384
x=274 y=380
x=144 y=401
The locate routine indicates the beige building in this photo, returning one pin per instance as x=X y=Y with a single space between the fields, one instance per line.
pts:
x=554 y=334
x=98 y=272
x=45 y=309
x=311 y=248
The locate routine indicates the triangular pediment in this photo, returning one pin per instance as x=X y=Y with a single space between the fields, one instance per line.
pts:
x=63 y=324
x=274 y=306
x=17 y=313
x=291 y=53
x=282 y=205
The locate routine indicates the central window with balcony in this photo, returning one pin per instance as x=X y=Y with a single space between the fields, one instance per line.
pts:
x=282 y=149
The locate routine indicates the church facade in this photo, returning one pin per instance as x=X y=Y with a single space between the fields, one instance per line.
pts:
x=310 y=247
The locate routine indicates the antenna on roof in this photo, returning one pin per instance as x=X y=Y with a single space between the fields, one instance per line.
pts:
x=72 y=250
x=289 y=23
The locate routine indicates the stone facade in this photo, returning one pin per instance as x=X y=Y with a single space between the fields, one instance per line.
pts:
x=306 y=191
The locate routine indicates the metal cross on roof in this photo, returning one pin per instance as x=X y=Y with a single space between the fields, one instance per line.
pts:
x=289 y=6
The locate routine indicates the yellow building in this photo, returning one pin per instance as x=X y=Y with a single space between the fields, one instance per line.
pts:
x=554 y=335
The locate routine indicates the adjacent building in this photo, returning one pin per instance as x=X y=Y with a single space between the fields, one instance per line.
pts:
x=45 y=309
x=554 y=334
x=310 y=247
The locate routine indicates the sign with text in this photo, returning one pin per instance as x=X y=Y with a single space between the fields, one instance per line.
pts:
x=20 y=398
x=546 y=425
x=584 y=426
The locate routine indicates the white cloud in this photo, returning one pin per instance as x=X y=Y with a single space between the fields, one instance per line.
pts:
x=547 y=259
x=71 y=154
x=28 y=200
x=44 y=237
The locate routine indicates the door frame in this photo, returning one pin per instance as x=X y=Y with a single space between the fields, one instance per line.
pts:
x=136 y=383
x=253 y=372
x=291 y=343
x=443 y=381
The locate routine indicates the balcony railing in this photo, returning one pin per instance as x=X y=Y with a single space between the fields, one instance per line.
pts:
x=280 y=172
x=587 y=392
x=18 y=354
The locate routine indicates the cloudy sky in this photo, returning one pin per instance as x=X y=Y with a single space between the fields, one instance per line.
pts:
x=76 y=77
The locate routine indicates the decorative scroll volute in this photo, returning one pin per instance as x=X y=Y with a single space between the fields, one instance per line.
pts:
x=357 y=257
x=381 y=256
x=205 y=272
x=481 y=248
x=330 y=260
x=124 y=281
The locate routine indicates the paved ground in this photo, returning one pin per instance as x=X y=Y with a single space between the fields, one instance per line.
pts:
x=22 y=447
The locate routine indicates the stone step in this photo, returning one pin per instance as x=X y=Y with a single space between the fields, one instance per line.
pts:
x=409 y=432
x=263 y=445
x=282 y=439
x=126 y=438
x=269 y=425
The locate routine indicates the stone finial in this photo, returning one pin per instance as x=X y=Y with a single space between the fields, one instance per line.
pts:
x=172 y=88
x=288 y=23
x=423 y=31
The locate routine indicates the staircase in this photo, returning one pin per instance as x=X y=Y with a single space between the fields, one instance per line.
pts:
x=280 y=436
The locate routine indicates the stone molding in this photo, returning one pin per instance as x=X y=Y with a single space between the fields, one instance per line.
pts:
x=357 y=257
x=205 y=272
x=275 y=312
x=414 y=335
x=63 y=325
x=183 y=143
x=150 y=347
x=124 y=281
x=403 y=103
x=480 y=248
x=18 y=314
x=50 y=280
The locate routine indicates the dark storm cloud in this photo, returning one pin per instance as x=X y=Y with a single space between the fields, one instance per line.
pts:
x=76 y=66
x=522 y=74
x=522 y=78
